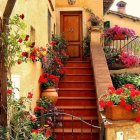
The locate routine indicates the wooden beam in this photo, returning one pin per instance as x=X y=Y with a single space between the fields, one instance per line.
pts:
x=9 y=8
x=51 y=5
x=7 y=12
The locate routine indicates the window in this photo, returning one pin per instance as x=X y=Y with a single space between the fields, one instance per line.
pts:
x=16 y=84
x=49 y=26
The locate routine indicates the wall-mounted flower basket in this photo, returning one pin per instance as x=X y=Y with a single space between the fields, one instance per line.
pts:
x=116 y=66
x=117 y=112
x=119 y=37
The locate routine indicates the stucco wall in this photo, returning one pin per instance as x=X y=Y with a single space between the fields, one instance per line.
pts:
x=36 y=15
x=123 y=22
x=95 y=5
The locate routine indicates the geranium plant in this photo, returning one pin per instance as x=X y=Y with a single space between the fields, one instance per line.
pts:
x=127 y=96
x=94 y=19
x=47 y=80
x=118 y=32
x=120 y=57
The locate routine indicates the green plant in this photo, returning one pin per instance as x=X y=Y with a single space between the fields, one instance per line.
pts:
x=127 y=96
x=121 y=79
x=93 y=19
x=47 y=80
x=86 y=46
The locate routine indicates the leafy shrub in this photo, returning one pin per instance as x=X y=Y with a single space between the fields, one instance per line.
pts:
x=121 y=79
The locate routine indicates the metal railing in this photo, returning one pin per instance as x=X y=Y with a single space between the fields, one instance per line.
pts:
x=62 y=128
x=131 y=45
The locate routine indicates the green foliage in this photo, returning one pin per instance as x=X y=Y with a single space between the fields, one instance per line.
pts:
x=121 y=79
x=86 y=46
x=10 y=39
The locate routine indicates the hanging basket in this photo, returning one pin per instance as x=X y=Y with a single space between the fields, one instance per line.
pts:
x=117 y=112
x=119 y=37
x=51 y=94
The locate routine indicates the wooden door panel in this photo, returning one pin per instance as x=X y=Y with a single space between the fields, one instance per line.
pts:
x=71 y=29
x=73 y=50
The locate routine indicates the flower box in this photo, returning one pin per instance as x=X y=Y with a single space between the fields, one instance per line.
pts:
x=119 y=37
x=117 y=112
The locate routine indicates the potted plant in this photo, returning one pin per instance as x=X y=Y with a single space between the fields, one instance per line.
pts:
x=86 y=47
x=94 y=19
x=47 y=82
x=122 y=103
x=118 y=33
x=119 y=59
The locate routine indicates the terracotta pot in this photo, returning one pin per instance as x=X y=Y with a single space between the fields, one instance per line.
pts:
x=116 y=66
x=119 y=37
x=51 y=94
x=117 y=112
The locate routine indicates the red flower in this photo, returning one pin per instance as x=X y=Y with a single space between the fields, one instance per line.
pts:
x=21 y=16
x=109 y=103
x=138 y=119
x=36 y=108
x=32 y=45
x=20 y=40
x=35 y=131
x=102 y=103
x=119 y=90
x=42 y=79
x=30 y=95
x=9 y=91
x=19 y=62
x=130 y=86
x=53 y=43
x=122 y=102
x=111 y=90
x=48 y=134
x=27 y=37
x=25 y=54
x=128 y=107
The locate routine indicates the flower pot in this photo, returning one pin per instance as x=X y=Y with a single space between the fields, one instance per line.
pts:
x=119 y=37
x=117 y=112
x=116 y=66
x=51 y=94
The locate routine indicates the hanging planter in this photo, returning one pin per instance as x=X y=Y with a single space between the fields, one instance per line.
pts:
x=119 y=37
x=117 y=112
x=50 y=93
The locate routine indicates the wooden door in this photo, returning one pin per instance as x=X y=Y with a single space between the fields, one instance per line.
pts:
x=71 y=29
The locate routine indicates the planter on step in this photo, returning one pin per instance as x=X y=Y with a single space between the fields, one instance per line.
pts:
x=51 y=94
x=117 y=112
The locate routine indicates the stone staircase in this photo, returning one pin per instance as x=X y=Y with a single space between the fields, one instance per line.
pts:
x=77 y=96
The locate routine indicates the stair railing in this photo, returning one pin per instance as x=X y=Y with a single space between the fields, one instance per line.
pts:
x=73 y=118
x=132 y=46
